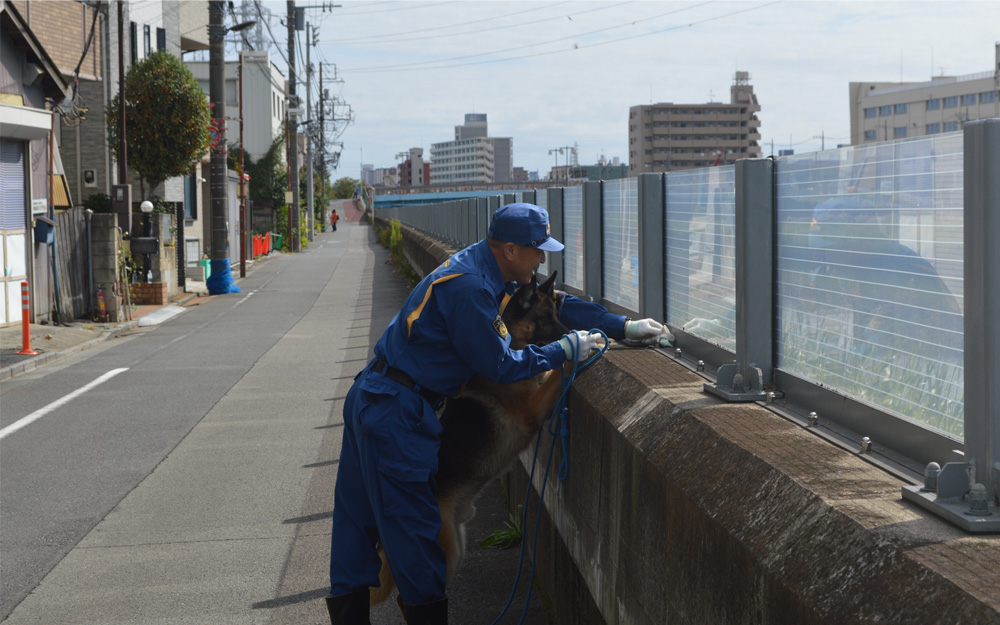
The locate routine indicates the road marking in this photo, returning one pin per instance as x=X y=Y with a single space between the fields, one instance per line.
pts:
x=41 y=412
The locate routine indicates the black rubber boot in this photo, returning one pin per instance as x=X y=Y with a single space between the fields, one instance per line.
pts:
x=434 y=613
x=349 y=609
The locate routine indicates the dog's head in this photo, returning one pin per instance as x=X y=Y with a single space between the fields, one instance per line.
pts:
x=530 y=315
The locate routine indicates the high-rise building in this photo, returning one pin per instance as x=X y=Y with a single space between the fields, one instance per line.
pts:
x=463 y=161
x=473 y=161
x=881 y=111
x=503 y=159
x=668 y=137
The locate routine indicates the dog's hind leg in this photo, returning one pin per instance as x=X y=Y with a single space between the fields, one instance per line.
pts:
x=451 y=537
x=387 y=583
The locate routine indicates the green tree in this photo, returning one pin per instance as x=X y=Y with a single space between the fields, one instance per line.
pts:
x=167 y=118
x=344 y=188
x=268 y=176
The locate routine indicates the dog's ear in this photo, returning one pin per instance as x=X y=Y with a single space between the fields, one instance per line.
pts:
x=547 y=286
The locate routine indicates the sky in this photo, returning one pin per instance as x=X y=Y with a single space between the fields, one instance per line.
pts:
x=554 y=74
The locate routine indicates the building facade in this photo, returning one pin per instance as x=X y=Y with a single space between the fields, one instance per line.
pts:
x=263 y=100
x=881 y=111
x=476 y=126
x=29 y=79
x=414 y=171
x=667 y=137
x=462 y=161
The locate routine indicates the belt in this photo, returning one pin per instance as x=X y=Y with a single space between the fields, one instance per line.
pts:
x=434 y=399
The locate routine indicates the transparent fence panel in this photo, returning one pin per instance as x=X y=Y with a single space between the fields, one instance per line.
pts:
x=869 y=264
x=573 y=229
x=542 y=199
x=701 y=256
x=620 y=218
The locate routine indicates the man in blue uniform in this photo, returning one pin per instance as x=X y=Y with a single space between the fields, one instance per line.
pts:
x=448 y=330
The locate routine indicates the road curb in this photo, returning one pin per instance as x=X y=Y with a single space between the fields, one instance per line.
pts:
x=48 y=358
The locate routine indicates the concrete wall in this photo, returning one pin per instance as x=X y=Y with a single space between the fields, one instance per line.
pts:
x=107 y=248
x=679 y=508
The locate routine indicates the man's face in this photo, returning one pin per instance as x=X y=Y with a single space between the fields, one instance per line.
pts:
x=526 y=261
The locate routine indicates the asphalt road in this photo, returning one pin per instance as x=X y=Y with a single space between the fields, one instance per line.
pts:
x=191 y=482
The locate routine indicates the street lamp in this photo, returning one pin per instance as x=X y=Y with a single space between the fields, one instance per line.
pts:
x=147 y=231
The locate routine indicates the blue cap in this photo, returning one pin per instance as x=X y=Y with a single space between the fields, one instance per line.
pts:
x=524 y=224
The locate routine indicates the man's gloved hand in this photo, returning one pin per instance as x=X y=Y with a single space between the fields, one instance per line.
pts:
x=584 y=343
x=647 y=332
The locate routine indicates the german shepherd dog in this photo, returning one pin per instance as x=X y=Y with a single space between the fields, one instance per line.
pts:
x=486 y=428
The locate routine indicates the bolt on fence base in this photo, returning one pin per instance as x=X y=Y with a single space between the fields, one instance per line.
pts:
x=732 y=386
x=944 y=494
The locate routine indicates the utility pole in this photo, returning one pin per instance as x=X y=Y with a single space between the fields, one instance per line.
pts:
x=293 y=143
x=310 y=206
x=221 y=280
x=322 y=147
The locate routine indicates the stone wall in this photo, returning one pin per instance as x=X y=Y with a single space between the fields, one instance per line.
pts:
x=679 y=508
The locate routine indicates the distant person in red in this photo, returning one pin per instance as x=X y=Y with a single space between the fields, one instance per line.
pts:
x=333 y=219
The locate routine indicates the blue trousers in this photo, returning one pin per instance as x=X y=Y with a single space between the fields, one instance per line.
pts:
x=385 y=491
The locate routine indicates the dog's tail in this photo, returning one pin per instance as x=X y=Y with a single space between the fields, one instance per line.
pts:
x=387 y=583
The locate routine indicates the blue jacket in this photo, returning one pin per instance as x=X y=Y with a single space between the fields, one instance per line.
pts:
x=449 y=328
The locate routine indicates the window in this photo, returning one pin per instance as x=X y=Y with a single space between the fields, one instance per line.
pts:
x=933 y=129
x=951 y=102
x=900 y=108
x=161 y=39
x=933 y=104
x=987 y=96
x=968 y=99
x=871 y=112
x=870 y=135
x=133 y=42
x=950 y=126
x=885 y=110
x=146 y=43
x=899 y=132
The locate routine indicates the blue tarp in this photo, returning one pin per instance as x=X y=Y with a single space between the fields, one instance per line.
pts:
x=221 y=281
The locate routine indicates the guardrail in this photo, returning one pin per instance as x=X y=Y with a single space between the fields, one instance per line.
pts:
x=843 y=280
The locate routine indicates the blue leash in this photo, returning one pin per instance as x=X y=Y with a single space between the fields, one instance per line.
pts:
x=558 y=431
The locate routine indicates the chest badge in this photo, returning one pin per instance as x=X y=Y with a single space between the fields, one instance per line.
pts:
x=499 y=326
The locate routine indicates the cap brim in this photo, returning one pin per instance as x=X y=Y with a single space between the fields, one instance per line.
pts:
x=550 y=245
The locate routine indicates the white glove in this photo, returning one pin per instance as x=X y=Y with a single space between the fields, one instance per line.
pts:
x=648 y=332
x=584 y=343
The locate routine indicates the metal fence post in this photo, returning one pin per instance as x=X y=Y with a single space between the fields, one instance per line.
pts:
x=509 y=198
x=593 y=248
x=555 y=209
x=968 y=493
x=652 y=253
x=483 y=212
x=744 y=380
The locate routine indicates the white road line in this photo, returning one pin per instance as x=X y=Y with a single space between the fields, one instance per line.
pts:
x=41 y=412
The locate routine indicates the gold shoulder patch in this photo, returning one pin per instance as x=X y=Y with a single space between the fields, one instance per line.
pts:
x=499 y=326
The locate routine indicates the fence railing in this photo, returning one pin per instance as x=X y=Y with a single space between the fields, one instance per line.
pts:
x=847 y=277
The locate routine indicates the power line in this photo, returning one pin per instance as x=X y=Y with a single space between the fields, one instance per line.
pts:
x=530 y=45
x=410 y=7
x=384 y=38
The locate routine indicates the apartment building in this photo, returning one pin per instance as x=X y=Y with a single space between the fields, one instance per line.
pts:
x=414 y=171
x=881 y=111
x=263 y=99
x=476 y=126
x=667 y=137
x=462 y=161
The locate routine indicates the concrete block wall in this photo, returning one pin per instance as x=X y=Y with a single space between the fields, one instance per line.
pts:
x=679 y=508
x=107 y=248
